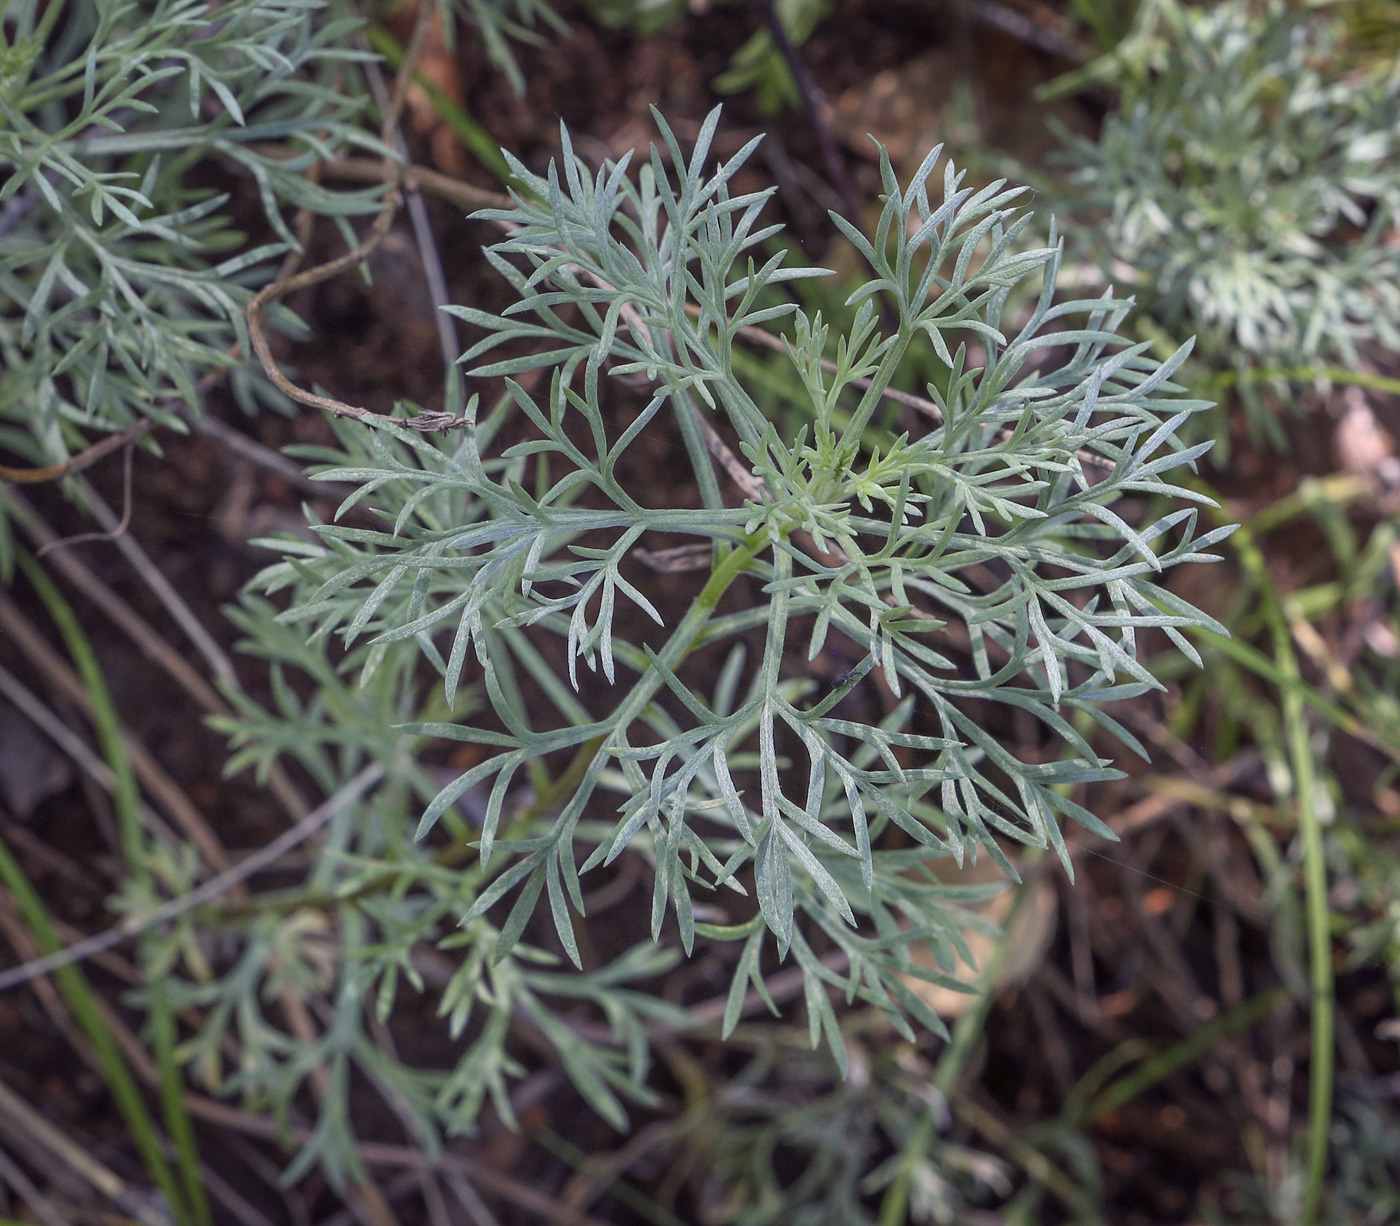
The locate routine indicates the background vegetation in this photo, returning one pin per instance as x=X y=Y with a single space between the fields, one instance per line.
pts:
x=228 y=233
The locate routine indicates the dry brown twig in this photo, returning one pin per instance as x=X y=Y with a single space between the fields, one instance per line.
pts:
x=100 y=1176
x=117 y=530
x=76 y=464
x=13 y=1177
x=155 y=648
x=367 y=1202
x=214 y=888
x=87 y=761
x=132 y=1048
x=409 y=177
x=366 y=170
x=170 y=795
x=289 y=281
x=375 y=1153
x=85 y=459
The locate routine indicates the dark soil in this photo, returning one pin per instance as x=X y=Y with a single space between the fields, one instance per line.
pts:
x=1154 y=939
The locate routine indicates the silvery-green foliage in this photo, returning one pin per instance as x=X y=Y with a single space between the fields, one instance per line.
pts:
x=788 y=1142
x=1366 y=1186
x=342 y=940
x=498 y=23
x=121 y=279
x=759 y=65
x=1250 y=182
x=978 y=566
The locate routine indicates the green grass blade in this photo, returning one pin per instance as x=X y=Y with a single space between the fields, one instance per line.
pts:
x=1318 y=915
x=1291 y=683
x=126 y=798
x=894 y=1208
x=472 y=135
x=1183 y=1054
x=172 y=1101
x=81 y=1000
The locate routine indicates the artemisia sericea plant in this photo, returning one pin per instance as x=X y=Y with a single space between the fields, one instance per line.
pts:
x=1248 y=186
x=1003 y=556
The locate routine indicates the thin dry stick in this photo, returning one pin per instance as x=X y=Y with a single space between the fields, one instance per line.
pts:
x=116 y=530
x=391 y=1095
x=782 y=986
x=113 y=442
x=171 y=796
x=50 y=858
x=379 y=1154
x=814 y=103
x=374 y=1153
x=434 y=1199
x=749 y=484
x=287 y=282
x=74 y=746
x=231 y=1199
x=126 y=618
x=397 y=1190
x=46 y=1211
x=164 y=590
x=76 y=1158
x=478 y=1214
x=422 y=233
x=213 y=888
x=76 y=464
x=411 y=178
x=17 y=934
x=365 y=1201
x=1044 y=32
x=1030 y=1159
x=766 y=340
x=151 y=644
x=365 y=170
x=132 y=1048
x=368 y=1203
x=114 y=964
x=273 y=461
x=597 y=1173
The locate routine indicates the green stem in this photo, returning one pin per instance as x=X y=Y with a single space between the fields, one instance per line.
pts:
x=83 y=1004
x=1323 y=999
x=972 y=1024
x=194 y=1206
x=1292 y=683
x=894 y=1208
x=618 y=1187
x=874 y=393
x=681 y=642
x=48 y=20
x=467 y=130
x=125 y=796
x=1183 y=1054
x=1334 y=374
x=1026 y=1156
x=1319 y=950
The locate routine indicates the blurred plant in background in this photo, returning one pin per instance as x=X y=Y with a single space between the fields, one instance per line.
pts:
x=925 y=453
x=122 y=279
x=748 y=780
x=1251 y=185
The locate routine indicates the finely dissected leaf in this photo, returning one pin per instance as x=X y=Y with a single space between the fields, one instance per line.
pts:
x=998 y=555
x=110 y=252
x=1246 y=185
